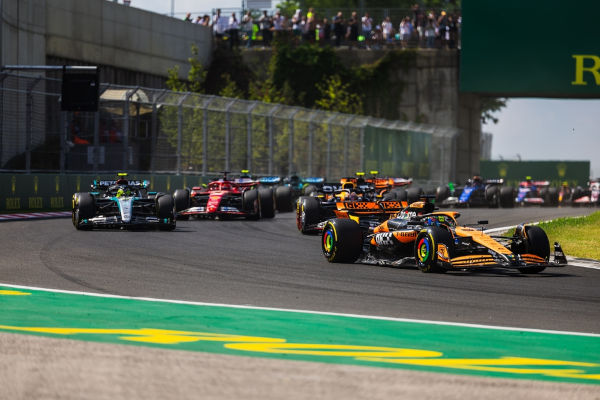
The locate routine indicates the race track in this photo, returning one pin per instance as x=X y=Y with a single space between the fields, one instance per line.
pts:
x=268 y=263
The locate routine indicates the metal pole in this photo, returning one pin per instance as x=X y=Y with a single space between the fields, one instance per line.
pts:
x=63 y=140
x=270 y=169
x=228 y=135
x=2 y=77
x=96 y=140
x=291 y=144
x=128 y=95
x=310 y=147
x=28 y=119
x=249 y=137
x=154 y=130
x=329 y=139
x=205 y=138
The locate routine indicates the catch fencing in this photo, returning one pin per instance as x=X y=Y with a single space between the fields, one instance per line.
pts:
x=147 y=130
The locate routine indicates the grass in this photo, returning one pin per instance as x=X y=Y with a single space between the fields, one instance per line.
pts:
x=578 y=236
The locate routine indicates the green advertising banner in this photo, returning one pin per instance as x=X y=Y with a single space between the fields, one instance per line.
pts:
x=21 y=192
x=533 y=48
x=576 y=173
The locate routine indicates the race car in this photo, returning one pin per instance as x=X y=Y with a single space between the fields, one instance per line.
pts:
x=393 y=188
x=433 y=241
x=122 y=203
x=476 y=192
x=536 y=192
x=225 y=198
x=588 y=196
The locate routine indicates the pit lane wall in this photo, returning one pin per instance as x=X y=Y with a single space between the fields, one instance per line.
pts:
x=575 y=173
x=29 y=192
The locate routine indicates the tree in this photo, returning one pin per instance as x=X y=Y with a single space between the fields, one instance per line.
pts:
x=489 y=106
x=336 y=96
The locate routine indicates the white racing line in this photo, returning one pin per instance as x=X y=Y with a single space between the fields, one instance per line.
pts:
x=573 y=261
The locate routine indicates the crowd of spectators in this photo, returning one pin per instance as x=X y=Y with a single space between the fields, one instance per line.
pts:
x=419 y=29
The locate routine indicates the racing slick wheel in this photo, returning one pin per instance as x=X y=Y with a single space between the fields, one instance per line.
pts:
x=414 y=195
x=428 y=248
x=267 y=204
x=165 y=212
x=84 y=207
x=283 y=199
x=182 y=202
x=341 y=240
x=309 y=189
x=535 y=241
x=507 y=197
x=251 y=204
x=492 y=196
x=307 y=213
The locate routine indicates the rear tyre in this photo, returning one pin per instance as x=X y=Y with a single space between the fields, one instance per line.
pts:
x=413 y=194
x=492 y=197
x=307 y=214
x=165 y=211
x=441 y=194
x=250 y=204
x=552 y=197
x=84 y=207
x=309 y=189
x=427 y=246
x=400 y=194
x=507 y=197
x=182 y=202
x=267 y=205
x=341 y=241
x=283 y=199
x=536 y=242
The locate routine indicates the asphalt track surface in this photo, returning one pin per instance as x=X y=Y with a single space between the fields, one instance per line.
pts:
x=268 y=263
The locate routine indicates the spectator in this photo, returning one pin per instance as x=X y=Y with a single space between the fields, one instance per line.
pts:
x=367 y=26
x=430 y=33
x=325 y=28
x=338 y=28
x=265 y=24
x=205 y=20
x=352 y=30
x=220 y=25
x=278 y=25
x=198 y=20
x=387 y=31
x=234 y=31
x=188 y=17
x=297 y=25
x=312 y=28
x=406 y=30
x=247 y=28
x=376 y=38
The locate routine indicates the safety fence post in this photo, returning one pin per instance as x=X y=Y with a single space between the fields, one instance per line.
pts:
x=205 y=136
x=180 y=130
x=273 y=110
x=28 y=122
x=228 y=135
x=328 y=155
x=249 y=136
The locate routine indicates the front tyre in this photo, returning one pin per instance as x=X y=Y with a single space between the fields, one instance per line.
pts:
x=341 y=241
x=84 y=208
x=283 y=198
x=535 y=242
x=427 y=247
x=182 y=202
x=165 y=206
x=307 y=214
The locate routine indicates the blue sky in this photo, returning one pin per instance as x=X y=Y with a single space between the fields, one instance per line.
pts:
x=532 y=129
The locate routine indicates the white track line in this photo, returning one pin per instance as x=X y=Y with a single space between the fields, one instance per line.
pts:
x=249 y=307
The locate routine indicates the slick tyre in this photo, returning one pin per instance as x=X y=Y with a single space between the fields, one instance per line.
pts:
x=536 y=242
x=341 y=241
x=182 y=202
x=251 y=204
x=283 y=199
x=492 y=196
x=441 y=194
x=507 y=197
x=84 y=207
x=307 y=214
x=428 y=244
x=267 y=204
x=400 y=194
x=552 y=197
x=413 y=194
x=309 y=189
x=165 y=211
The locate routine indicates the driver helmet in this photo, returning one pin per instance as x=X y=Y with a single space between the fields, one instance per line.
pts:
x=123 y=191
x=432 y=221
x=477 y=180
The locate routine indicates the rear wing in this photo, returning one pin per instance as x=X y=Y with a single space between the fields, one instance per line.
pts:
x=375 y=207
x=104 y=185
x=494 y=181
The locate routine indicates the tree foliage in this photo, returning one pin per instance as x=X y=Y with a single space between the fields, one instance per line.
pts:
x=336 y=96
x=490 y=106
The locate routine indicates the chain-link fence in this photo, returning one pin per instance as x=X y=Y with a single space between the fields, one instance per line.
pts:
x=152 y=130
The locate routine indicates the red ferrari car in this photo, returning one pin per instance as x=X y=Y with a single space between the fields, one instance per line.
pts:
x=225 y=198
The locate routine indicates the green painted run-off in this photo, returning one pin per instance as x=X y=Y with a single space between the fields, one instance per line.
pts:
x=478 y=351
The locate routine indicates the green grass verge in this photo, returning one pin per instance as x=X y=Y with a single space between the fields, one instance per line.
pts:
x=578 y=236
